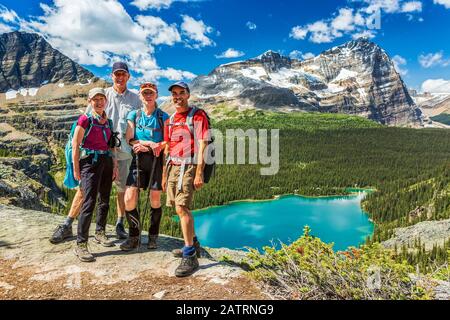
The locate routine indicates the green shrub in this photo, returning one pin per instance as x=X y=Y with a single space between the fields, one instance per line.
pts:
x=310 y=269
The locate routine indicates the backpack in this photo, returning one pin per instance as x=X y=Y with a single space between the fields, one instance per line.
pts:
x=210 y=165
x=69 y=179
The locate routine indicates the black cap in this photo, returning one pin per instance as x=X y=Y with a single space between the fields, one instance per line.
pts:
x=120 y=66
x=180 y=84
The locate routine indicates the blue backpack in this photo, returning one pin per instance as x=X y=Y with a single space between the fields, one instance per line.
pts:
x=69 y=179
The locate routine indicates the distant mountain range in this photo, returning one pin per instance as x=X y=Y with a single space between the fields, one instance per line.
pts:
x=355 y=78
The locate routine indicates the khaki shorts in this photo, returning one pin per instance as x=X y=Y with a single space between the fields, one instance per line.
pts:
x=121 y=180
x=185 y=196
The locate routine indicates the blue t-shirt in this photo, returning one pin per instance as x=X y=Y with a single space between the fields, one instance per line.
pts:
x=148 y=128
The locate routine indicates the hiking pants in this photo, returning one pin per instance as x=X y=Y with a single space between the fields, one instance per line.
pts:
x=96 y=181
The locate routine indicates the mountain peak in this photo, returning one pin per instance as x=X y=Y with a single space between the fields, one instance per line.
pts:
x=273 y=61
x=27 y=60
x=270 y=53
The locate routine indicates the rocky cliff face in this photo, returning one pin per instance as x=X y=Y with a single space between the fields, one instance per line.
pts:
x=430 y=233
x=356 y=78
x=33 y=132
x=28 y=61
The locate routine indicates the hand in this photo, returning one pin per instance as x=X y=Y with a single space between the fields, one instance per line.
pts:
x=164 y=183
x=156 y=148
x=138 y=147
x=115 y=173
x=76 y=174
x=198 y=181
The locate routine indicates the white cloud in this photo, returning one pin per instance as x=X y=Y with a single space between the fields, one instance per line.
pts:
x=296 y=54
x=101 y=32
x=436 y=86
x=169 y=73
x=321 y=32
x=7 y=19
x=433 y=59
x=445 y=3
x=196 y=30
x=8 y=16
x=298 y=33
x=344 y=21
x=363 y=21
x=152 y=4
x=158 y=31
x=251 y=25
x=412 y=6
x=5 y=28
x=70 y=26
x=399 y=62
x=230 y=53
x=157 y=4
x=388 y=6
x=369 y=34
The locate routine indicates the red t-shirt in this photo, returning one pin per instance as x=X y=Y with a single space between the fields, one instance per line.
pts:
x=181 y=143
x=95 y=140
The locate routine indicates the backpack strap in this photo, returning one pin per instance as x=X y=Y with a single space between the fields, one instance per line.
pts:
x=159 y=117
x=171 y=124
x=108 y=124
x=138 y=117
x=190 y=120
x=161 y=120
x=88 y=131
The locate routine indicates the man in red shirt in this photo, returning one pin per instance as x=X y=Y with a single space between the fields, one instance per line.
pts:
x=186 y=134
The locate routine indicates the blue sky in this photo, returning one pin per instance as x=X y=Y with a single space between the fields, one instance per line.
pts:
x=168 y=40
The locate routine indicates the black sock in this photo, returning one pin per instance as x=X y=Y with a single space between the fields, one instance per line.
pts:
x=195 y=239
x=133 y=222
x=155 y=221
x=68 y=221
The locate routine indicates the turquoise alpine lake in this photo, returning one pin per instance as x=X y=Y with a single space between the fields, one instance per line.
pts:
x=256 y=224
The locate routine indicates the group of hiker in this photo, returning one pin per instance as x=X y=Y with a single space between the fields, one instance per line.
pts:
x=123 y=137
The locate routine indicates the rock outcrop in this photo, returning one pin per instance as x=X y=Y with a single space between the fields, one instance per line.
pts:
x=430 y=233
x=53 y=271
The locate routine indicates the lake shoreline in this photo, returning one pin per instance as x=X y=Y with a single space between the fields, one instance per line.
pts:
x=277 y=197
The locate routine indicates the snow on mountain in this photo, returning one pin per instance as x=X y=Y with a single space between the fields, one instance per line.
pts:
x=355 y=78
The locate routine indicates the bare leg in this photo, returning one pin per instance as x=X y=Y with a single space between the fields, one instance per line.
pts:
x=155 y=198
x=130 y=199
x=120 y=204
x=76 y=204
x=187 y=225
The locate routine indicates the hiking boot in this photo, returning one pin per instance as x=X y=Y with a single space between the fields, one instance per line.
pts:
x=152 y=245
x=101 y=238
x=121 y=234
x=130 y=244
x=82 y=252
x=187 y=266
x=178 y=253
x=61 y=233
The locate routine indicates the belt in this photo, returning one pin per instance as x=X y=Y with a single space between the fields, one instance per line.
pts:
x=183 y=162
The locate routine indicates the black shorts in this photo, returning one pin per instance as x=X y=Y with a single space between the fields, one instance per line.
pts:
x=145 y=166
